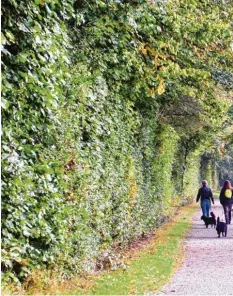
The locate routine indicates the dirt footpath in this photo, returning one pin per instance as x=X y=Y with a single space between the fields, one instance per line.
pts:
x=207 y=267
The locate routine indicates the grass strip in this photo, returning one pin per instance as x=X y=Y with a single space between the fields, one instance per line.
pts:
x=152 y=267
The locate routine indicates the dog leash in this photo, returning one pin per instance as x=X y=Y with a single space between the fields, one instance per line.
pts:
x=223 y=217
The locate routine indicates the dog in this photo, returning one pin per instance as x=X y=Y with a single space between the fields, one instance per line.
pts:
x=209 y=220
x=221 y=228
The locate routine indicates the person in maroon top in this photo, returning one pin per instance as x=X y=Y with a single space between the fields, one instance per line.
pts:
x=226 y=200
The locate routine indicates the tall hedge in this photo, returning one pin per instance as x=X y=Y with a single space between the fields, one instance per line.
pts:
x=107 y=107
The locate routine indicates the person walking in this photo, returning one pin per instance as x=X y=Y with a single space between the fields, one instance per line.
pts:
x=226 y=200
x=205 y=194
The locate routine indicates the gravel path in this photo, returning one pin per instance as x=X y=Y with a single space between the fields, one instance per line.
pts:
x=207 y=267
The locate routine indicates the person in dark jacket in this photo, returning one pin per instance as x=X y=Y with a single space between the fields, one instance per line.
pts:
x=226 y=200
x=205 y=194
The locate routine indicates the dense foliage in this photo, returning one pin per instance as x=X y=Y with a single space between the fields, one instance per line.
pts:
x=224 y=153
x=108 y=107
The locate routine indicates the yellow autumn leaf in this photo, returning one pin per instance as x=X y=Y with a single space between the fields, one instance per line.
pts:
x=161 y=87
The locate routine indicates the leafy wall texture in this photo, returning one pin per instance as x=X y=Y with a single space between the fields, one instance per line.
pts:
x=109 y=108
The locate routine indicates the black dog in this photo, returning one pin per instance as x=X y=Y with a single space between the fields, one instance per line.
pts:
x=221 y=228
x=209 y=220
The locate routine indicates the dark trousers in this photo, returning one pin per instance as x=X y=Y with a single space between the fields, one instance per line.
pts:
x=227 y=212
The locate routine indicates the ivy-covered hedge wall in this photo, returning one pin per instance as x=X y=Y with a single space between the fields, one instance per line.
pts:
x=107 y=107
